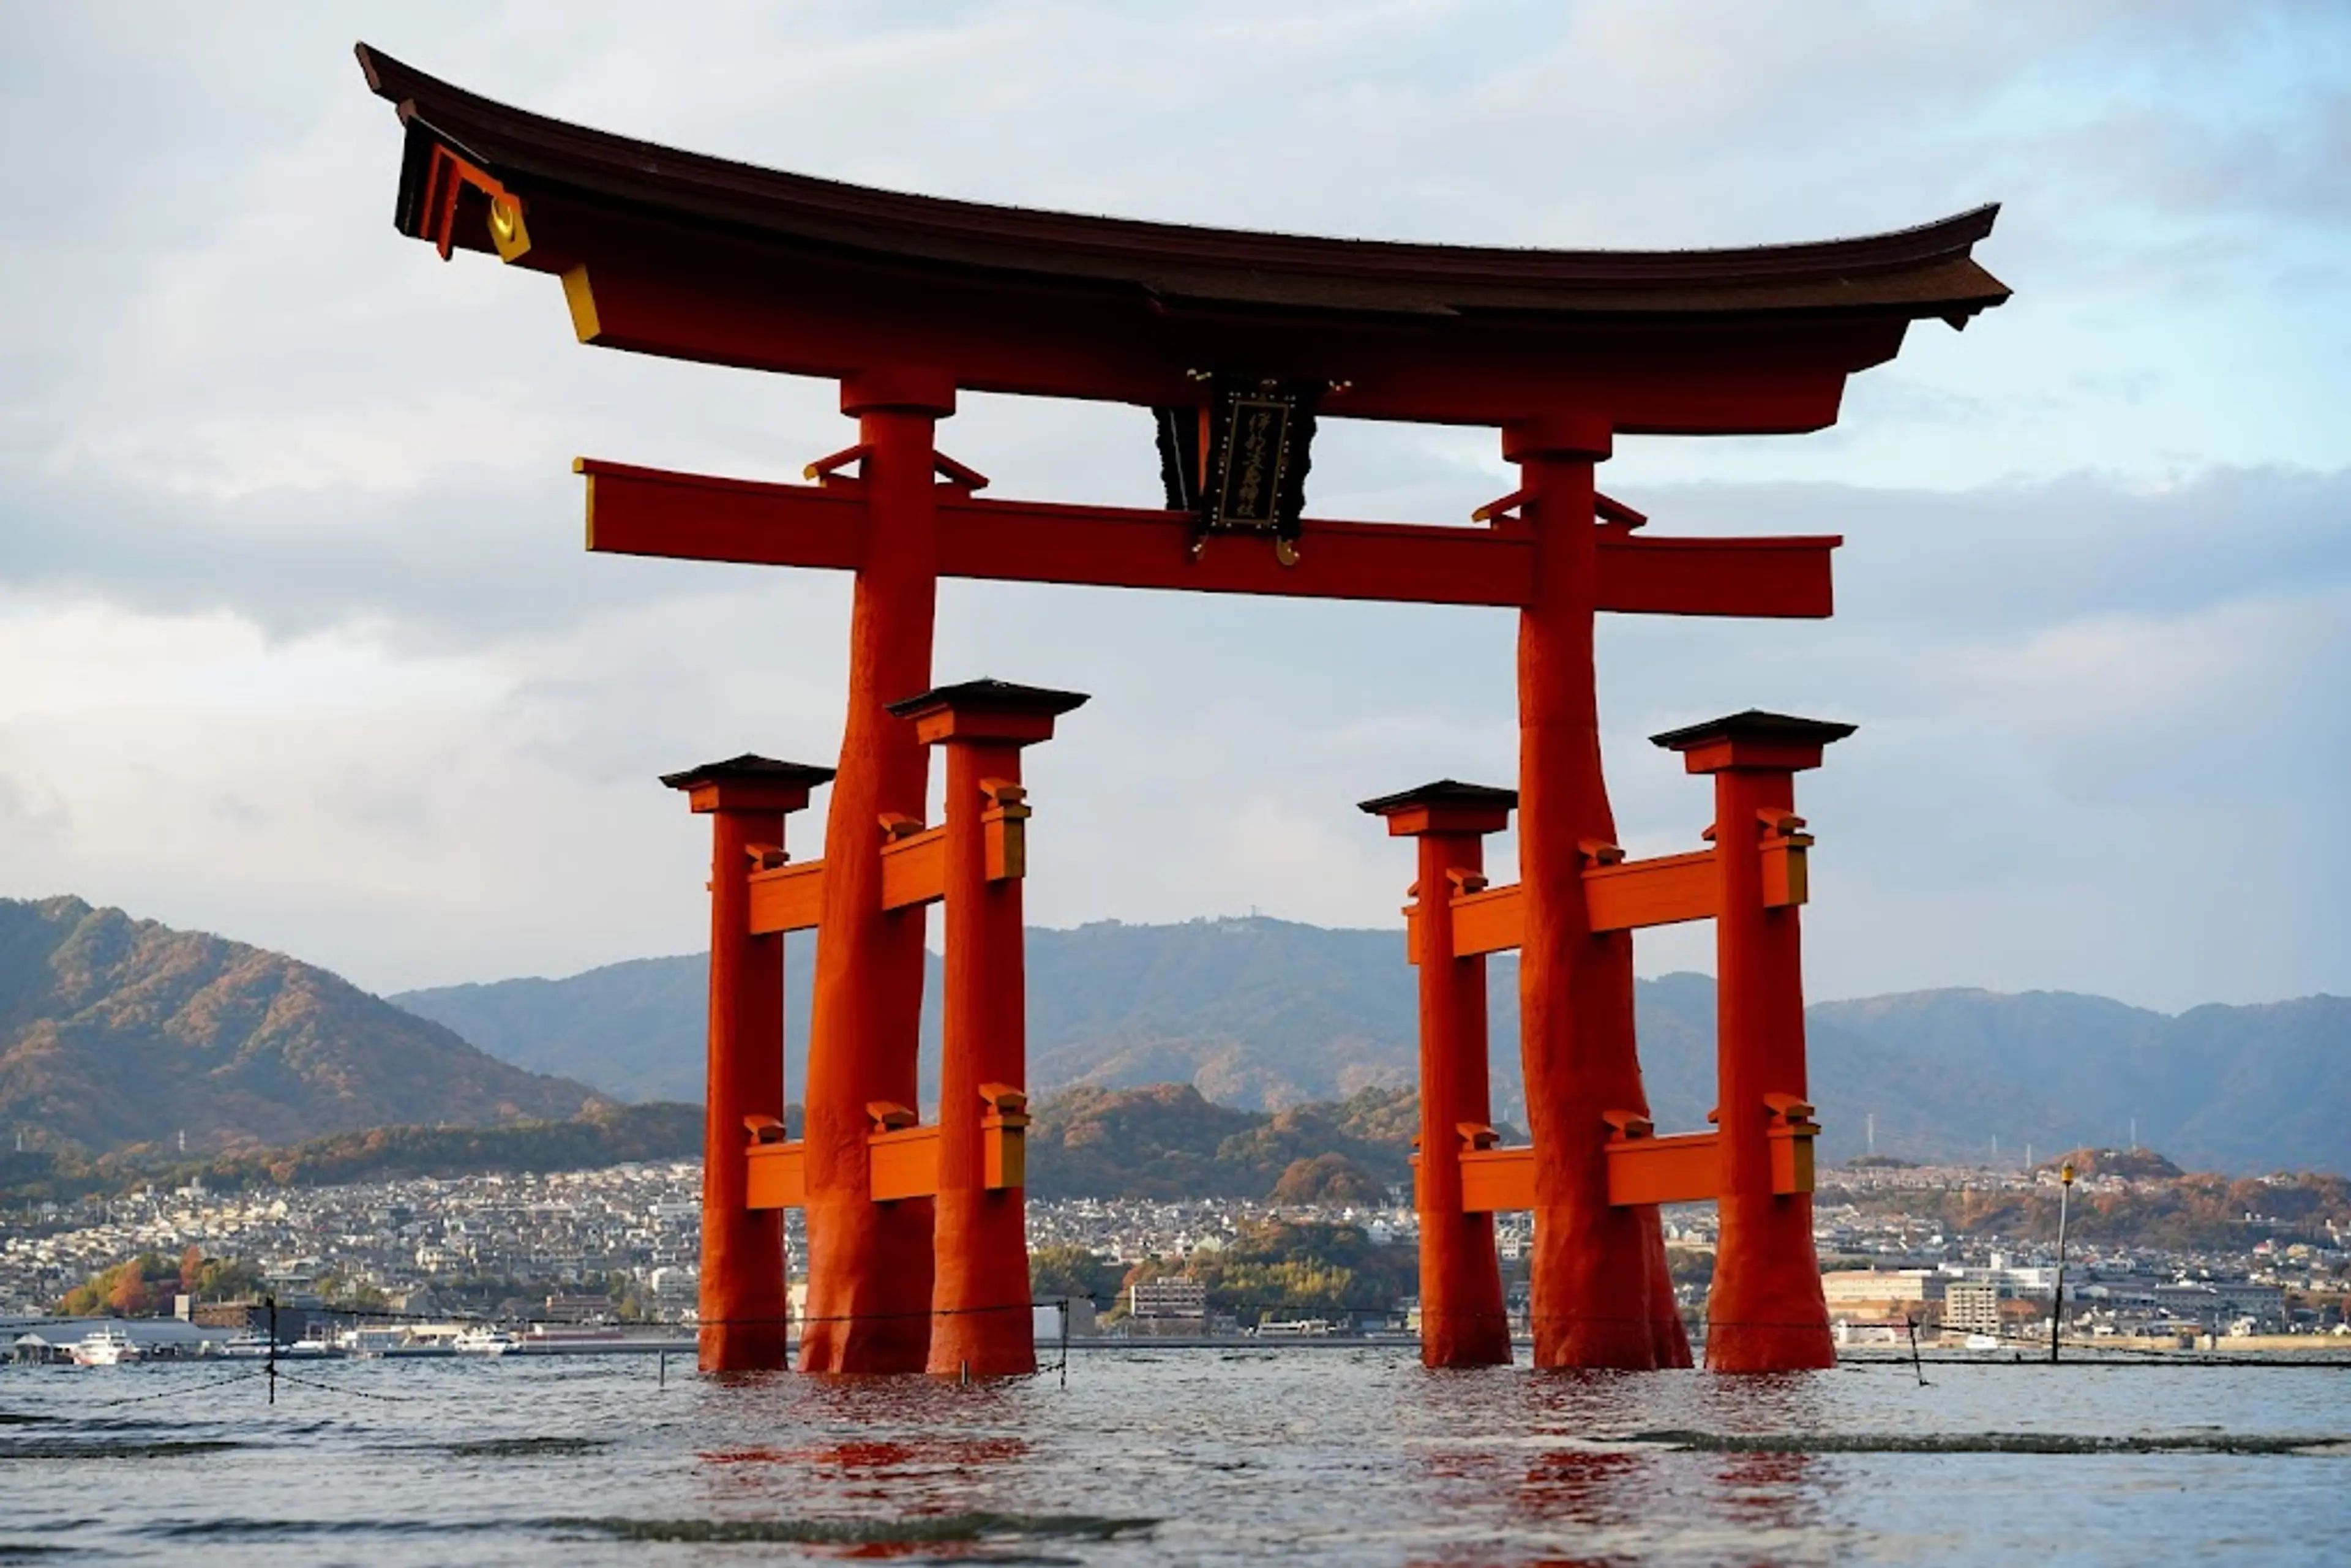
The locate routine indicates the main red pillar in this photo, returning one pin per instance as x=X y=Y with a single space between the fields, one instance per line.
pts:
x=1603 y=1297
x=1765 y=1311
x=1463 y=1319
x=743 y=1302
x=981 y=1323
x=870 y=1264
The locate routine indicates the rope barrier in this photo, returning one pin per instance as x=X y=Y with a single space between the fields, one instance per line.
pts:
x=175 y=1392
x=284 y=1376
x=2105 y=1353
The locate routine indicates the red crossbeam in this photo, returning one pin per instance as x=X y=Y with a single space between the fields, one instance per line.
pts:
x=651 y=512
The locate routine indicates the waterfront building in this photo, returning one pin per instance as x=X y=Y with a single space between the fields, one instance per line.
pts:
x=1971 y=1307
x=1174 y=1304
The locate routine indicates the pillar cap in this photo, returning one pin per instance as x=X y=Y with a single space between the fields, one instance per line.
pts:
x=987 y=709
x=1445 y=806
x=1753 y=738
x=748 y=783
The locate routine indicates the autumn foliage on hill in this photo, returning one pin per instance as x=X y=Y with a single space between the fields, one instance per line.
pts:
x=117 y=1032
x=2198 y=1211
x=1166 y=1142
x=143 y=1286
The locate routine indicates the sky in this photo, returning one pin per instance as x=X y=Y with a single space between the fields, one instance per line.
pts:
x=299 y=644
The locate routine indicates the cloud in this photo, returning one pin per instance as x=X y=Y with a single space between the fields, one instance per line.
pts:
x=303 y=646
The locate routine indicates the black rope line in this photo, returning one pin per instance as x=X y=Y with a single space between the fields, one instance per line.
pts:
x=282 y=1375
x=1452 y=1315
x=175 y=1392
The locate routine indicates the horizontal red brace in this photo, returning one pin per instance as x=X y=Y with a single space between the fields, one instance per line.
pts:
x=647 y=511
x=1496 y=1181
x=915 y=870
x=1683 y=1167
x=1493 y=920
x=904 y=1162
x=1664 y=890
x=787 y=898
x=778 y=1175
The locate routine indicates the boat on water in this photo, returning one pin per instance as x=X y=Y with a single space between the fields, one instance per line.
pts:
x=483 y=1342
x=107 y=1347
x=553 y=1337
x=256 y=1346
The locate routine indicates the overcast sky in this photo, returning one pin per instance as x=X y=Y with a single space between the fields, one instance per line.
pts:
x=298 y=642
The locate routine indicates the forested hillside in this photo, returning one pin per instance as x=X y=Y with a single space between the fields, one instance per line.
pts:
x=1261 y=1014
x=116 y=1032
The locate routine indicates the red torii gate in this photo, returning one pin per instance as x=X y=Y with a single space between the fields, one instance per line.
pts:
x=1238 y=340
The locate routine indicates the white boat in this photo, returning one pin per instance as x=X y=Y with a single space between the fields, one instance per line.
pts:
x=1296 y=1328
x=483 y=1342
x=256 y=1347
x=107 y=1347
x=555 y=1337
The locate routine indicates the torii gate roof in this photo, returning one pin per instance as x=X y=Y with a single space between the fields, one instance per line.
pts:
x=694 y=257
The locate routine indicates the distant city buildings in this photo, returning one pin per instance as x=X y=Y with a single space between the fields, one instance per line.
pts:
x=586 y=1247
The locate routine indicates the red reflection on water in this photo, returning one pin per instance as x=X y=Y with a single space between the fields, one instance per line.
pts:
x=955 y=1453
x=1771 y=1489
x=1587 y=1487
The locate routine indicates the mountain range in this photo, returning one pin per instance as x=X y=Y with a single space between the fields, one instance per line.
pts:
x=1263 y=1014
x=117 y=1032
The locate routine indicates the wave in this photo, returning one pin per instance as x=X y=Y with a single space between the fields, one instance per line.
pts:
x=1986 y=1443
x=160 y=1448
x=921 y=1529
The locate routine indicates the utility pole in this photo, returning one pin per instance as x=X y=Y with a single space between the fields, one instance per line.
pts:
x=2057 y=1297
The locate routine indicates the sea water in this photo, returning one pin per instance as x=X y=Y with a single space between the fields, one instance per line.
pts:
x=1324 y=1456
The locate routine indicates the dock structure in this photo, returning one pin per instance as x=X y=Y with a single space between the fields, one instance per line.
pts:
x=1238 y=343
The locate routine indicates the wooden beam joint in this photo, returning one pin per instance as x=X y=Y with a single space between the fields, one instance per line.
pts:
x=785 y=897
x=914 y=868
x=1643 y=1168
x=1664 y=889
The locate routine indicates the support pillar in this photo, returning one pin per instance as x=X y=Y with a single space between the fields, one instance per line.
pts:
x=869 y=1264
x=1765 y=1311
x=743 y=1305
x=1603 y=1297
x=1463 y=1319
x=981 y=1323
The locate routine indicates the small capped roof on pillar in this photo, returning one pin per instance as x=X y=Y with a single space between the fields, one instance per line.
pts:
x=749 y=769
x=985 y=695
x=1754 y=725
x=1442 y=792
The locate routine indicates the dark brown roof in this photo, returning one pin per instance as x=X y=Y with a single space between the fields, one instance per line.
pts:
x=1754 y=725
x=1915 y=273
x=1443 y=793
x=985 y=696
x=749 y=769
